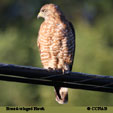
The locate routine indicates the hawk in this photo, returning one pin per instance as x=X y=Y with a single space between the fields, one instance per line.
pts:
x=56 y=42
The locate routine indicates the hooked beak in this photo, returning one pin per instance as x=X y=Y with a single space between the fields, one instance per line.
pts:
x=39 y=15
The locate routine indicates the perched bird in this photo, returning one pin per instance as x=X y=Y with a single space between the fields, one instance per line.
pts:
x=56 y=42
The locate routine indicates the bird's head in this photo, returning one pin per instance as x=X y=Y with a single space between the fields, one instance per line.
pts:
x=49 y=11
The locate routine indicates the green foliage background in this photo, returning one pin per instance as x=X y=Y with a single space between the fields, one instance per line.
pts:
x=93 y=21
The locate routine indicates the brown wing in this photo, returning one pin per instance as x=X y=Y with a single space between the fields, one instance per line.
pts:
x=73 y=42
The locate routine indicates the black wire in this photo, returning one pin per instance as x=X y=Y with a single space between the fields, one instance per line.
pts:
x=54 y=83
x=76 y=80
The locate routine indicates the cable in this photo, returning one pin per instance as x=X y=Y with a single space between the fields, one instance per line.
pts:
x=76 y=80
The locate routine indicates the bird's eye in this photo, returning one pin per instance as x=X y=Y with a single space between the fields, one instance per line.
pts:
x=44 y=10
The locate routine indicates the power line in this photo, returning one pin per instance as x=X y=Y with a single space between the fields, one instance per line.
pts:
x=75 y=80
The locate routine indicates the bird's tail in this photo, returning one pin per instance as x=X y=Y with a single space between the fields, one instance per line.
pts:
x=61 y=94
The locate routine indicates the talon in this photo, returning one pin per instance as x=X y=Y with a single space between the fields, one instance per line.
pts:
x=66 y=72
x=50 y=68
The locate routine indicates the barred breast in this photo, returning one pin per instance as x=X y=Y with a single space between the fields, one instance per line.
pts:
x=56 y=44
